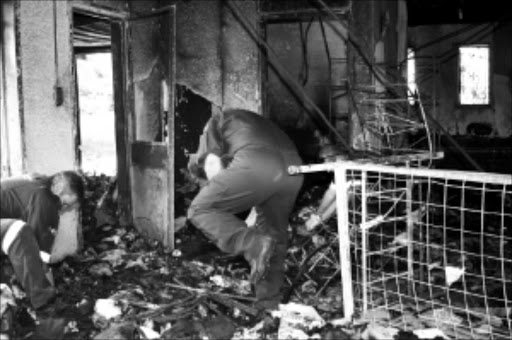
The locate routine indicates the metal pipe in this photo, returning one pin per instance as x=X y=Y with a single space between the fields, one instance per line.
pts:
x=340 y=178
x=329 y=68
x=466 y=176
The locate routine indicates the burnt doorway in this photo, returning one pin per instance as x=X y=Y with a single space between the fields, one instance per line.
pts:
x=96 y=133
x=101 y=145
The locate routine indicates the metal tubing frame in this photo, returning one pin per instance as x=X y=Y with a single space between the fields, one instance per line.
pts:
x=364 y=241
x=481 y=177
x=340 y=177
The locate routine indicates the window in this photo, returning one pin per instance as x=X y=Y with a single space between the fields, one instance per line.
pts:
x=411 y=74
x=474 y=65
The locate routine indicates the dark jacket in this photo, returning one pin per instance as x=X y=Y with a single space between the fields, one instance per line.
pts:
x=234 y=130
x=31 y=200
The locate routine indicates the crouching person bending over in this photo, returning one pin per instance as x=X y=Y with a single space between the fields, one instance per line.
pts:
x=256 y=177
x=29 y=210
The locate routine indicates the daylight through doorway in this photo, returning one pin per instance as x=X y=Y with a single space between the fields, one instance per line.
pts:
x=96 y=113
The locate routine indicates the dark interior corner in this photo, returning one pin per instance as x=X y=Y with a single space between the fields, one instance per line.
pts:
x=192 y=113
x=436 y=12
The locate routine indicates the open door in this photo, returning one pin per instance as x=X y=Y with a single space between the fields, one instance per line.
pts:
x=150 y=59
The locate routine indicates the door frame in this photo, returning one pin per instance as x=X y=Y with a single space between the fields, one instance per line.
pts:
x=123 y=105
x=119 y=80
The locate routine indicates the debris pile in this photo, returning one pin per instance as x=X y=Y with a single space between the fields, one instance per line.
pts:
x=124 y=286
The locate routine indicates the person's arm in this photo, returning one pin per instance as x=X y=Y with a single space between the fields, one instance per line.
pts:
x=210 y=141
x=42 y=215
x=329 y=198
x=325 y=210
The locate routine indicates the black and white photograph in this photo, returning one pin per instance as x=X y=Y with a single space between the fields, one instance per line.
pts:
x=256 y=169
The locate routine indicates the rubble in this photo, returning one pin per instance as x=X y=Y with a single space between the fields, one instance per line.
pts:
x=6 y=298
x=123 y=286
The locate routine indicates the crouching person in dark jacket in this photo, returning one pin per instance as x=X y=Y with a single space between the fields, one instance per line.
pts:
x=29 y=209
x=256 y=177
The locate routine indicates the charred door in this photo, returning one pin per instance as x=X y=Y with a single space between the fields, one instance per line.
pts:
x=149 y=43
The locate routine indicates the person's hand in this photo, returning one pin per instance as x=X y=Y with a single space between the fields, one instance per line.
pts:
x=313 y=221
x=192 y=163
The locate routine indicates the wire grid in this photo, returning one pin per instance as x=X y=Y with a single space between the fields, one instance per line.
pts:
x=318 y=260
x=391 y=119
x=432 y=252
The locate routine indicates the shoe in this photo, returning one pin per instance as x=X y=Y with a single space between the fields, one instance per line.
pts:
x=50 y=328
x=267 y=305
x=51 y=323
x=259 y=257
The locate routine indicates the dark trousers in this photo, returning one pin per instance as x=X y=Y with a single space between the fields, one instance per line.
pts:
x=24 y=255
x=256 y=178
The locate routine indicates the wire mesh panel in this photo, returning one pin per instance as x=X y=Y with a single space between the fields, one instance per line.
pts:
x=431 y=248
x=421 y=248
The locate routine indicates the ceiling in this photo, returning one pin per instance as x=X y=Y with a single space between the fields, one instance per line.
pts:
x=92 y=34
x=435 y=12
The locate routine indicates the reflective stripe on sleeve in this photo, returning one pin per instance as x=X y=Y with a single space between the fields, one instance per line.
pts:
x=11 y=235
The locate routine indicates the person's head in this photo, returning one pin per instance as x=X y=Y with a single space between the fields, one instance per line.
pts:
x=210 y=164
x=68 y=186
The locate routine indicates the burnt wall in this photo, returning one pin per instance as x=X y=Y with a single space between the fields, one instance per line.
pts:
x=240 y=59
x=198 y=49
x=442 y=85
x=315 y=55
x=379 y=32
x=215 y=56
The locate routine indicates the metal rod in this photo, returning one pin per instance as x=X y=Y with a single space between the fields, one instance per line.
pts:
x=340 y=178
x=364 y=241
x=329 y=67
x=481 y=177
x=381 y=160
x=410 y=229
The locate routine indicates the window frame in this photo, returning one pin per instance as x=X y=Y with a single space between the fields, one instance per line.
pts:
x=411 y=61
x=459 y=80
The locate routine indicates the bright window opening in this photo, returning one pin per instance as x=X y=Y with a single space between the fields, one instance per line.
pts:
x=411 y=74
x=474 y=64
x=97 y=119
